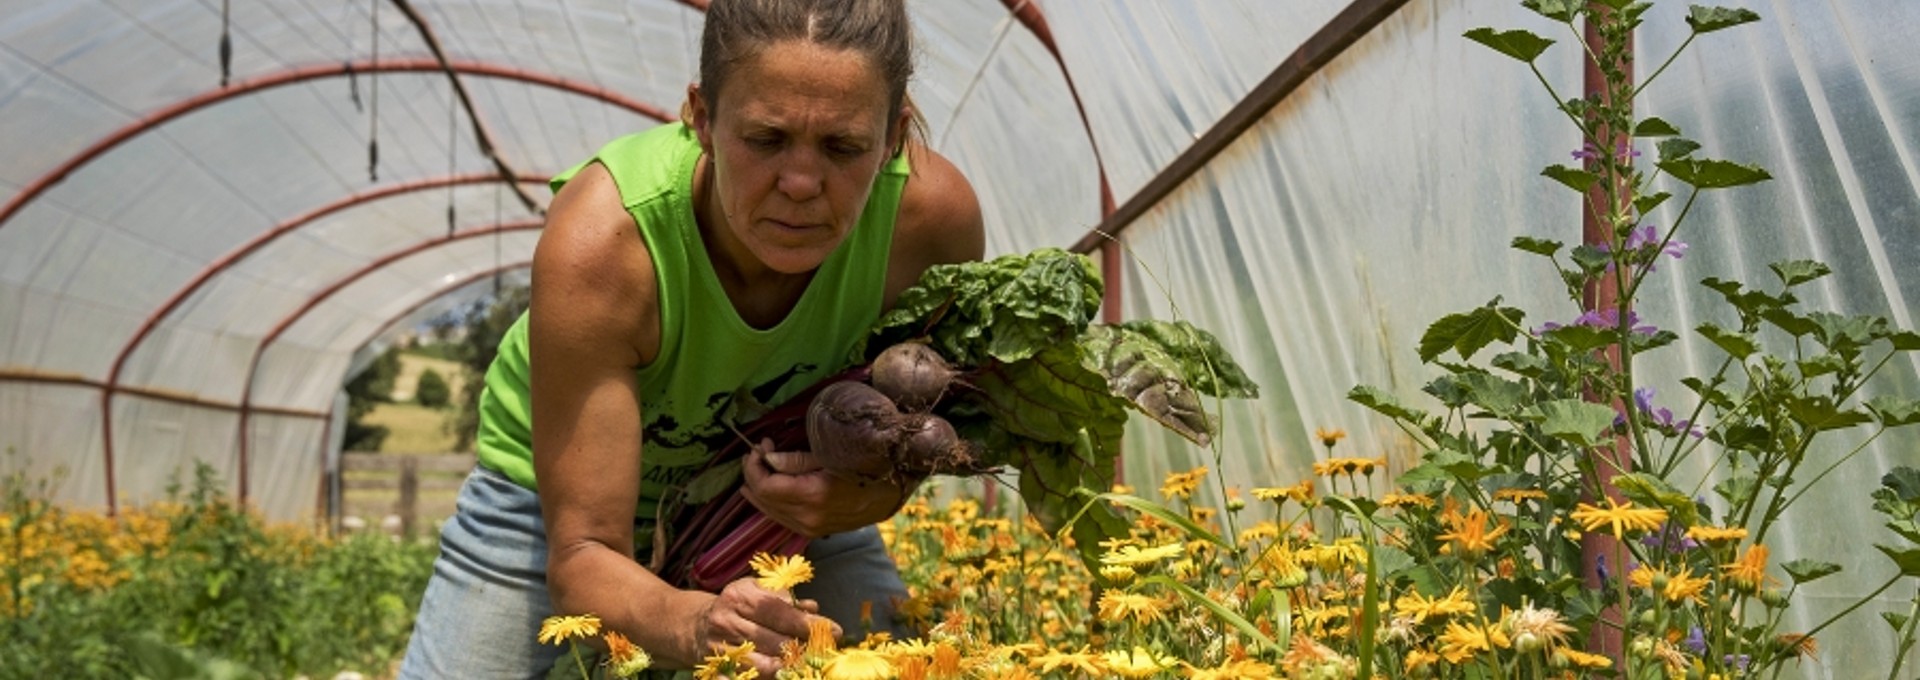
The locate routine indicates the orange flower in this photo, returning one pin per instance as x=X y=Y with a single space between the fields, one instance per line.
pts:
x=1749 y=572
x=1329 y=437
x=1468 y=536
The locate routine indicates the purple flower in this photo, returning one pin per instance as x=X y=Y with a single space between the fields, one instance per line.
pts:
x=1649 y=236
x=1625 y=151
x=1603 y=319
x=1696 y=641
x=1738 y=661
x=1588 y=152
x=1661 y=418
x=1671 y=538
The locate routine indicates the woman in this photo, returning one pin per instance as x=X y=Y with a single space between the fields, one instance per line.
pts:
x=681 y=270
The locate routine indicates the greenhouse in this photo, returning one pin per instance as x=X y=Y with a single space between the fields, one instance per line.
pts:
x=1331 y=338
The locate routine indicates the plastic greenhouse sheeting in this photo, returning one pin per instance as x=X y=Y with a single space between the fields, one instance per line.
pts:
x=1375 y=198
x=1383 y=195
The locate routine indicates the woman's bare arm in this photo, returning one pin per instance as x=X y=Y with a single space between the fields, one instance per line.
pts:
x=594 y=322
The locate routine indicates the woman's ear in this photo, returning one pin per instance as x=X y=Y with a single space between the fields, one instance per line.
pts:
x=897 y=133
x=696 y=116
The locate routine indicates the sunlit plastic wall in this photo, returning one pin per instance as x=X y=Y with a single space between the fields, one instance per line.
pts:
x=1382 y=195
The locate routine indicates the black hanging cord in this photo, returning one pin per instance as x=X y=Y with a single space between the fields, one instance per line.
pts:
x=226 y=42
x=453 y=136
x=353 y=85
x=373 y=134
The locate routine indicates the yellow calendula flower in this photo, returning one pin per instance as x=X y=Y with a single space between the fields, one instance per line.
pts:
x=1463 y=642
x=1141 y=608
x=1419 y=608
x=1238 y=669
x=1056 y=661
x=1620 y=518
x=1182 y=484
x=1749 y=572
x=1136 y=556
x=1300 y=493
x=1138 y=663
x=624 y=660
x=858 y=664
x=1706 y=534
x=558 y=629
x=727 y=661
x=1329 y=436
x=1565 y=657
x=781 y=572
x=1517 y=495
x=1406 y=500
x=1420 y=663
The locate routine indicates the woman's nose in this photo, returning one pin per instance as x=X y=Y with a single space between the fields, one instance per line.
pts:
x=800 y=178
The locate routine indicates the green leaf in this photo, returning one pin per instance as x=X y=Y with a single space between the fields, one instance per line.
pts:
x=1137 y=504
x=1581 y=339
x=1820 y=413
x=1904 y=482
x=1738 y=489
x=1460 y=466
x=713 y=481
x=1825 y=364
x=1557 y=10
x=1576 y=179
x=1714 y=174
x=1676 y=148
x=1384 y=403
x=1448 y=390
x=1468 y=332
x=1518 y=43
x=1907 y=560
x=1052 y=396
x=1497 y=395
x=1232 y=618
x=1572 y=420
x=1521 y=363
x=1792 y=323
x=1808 y=571
x=1591 y=260
x=1895 y=619
x=1646 y=204
x=1005 y=309
x=1736 y=343
x=1710 y=19
x=1160 y=369
x=1654 y=126
x=1842 y=332
x=1643 y=342
x=1537 y=246
x=1651 y=490
x=1904 y=341
x=1795 y=272
x=1712 y=393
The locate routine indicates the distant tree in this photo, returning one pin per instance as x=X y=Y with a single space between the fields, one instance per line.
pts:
x=485 y=324
x=373 y=385
x=432 y=390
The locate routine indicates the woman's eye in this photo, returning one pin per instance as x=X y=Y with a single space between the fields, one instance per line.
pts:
x=844 y=150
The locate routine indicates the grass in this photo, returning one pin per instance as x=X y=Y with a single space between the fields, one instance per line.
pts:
x=413 y=428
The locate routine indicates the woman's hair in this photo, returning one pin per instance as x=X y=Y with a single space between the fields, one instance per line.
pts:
x=737 y=31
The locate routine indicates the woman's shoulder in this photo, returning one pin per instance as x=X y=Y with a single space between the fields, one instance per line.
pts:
x=592 y=271
x=939 y=219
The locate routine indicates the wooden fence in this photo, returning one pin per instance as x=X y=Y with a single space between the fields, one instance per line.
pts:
x=416 y=490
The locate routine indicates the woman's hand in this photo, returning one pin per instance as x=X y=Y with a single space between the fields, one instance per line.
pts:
x=792 y=488
x=745 y=612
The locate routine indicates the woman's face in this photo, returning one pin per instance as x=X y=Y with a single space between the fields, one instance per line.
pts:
x=794 y=143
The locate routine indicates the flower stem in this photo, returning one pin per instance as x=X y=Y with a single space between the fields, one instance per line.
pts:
x=1906 y=638
x=1663 y=65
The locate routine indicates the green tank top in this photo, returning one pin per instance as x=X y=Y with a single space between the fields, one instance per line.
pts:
x=709 y=357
